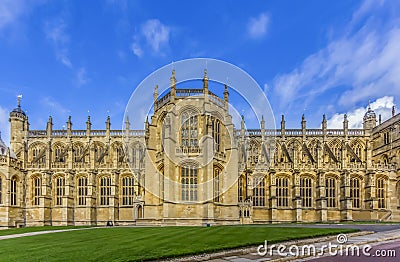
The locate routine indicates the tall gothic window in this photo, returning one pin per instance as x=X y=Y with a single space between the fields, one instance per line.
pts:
x=337 y=152
x=105 y=191
x=189 y=125
x=282 y=191
x=254 y=153
x=37 y=188
x=137 y=154
x=386 y=138
x=60 y=190
x=40 y=153
x=120 y=154
x=306 y=191
x=330 y=191
x=78 y=154
x=314 y=150
x=189 y=183
x=355 y=192
x=380 y=192
x=14 y=191
x=216 y=133
x=259 y=191
x=59 y=154
x=82 y=190
x=358 y=150
x=128 y=190
x=99 y=154
x=217 y=174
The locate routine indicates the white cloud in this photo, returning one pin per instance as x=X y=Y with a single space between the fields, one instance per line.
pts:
x=257 y=26
x=153 y=34
x=156 y=33
x=4 y=125
x=56 y=33
x=137 y=50
x=81 y=76
x=54 y=107
x=266 y=88
x=364 y=58
x=10 y=10
x=382 y=106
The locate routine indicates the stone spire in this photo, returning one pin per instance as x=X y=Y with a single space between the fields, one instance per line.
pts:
x=69 y=126
x=303 y=122
x=283 y=124
x=88 y=123
x=127 y=123
x=205 y=82
x=49 y=127
x=173 y=85
x=303 y=126
x=108 y=123
x=262 y=122
x=155 y=95
x=226 y=96
x=324 y=124
x=242 y=127
x=88 y=126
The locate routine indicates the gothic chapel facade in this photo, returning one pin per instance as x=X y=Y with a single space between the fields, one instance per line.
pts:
x=192 y=166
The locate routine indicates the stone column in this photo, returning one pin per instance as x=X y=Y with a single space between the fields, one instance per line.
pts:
x=346 y=212
x=273 y=204
x=296 y=197
x=321 y=198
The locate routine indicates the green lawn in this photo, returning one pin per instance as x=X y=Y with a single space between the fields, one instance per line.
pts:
x=34 y=229
x=145 y=243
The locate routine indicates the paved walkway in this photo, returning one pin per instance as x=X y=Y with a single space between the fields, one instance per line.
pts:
x=379 y=240
x=42 y=232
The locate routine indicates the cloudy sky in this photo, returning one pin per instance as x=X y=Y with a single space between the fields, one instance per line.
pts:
x=86 y=57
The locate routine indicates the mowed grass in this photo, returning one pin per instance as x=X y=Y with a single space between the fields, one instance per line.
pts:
x=13 y=231
x=147 y=243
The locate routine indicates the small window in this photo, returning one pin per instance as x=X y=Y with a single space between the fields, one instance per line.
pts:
x=60 y=190
x=306 y=191
x=37 y=188
x=355 y=192
x=330 y=192
x=380 y=193
x=105 y=191
x=259 y=192
x=189 y=183
x=82 y=190
x=13 y=191
x=282 y=191
x=128 y=191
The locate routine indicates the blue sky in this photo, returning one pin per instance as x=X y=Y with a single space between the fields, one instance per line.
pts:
x=86 y=57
